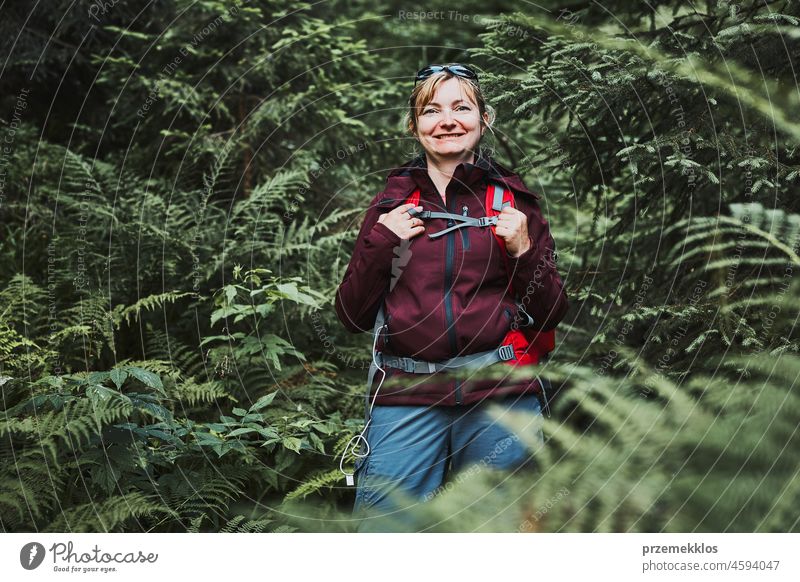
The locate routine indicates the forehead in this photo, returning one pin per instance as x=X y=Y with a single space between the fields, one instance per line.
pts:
x=450 y=91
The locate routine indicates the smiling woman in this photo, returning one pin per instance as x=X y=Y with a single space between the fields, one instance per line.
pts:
x=448 y=116
x=451 y=306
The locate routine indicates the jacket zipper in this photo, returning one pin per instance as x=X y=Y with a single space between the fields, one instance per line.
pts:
x=448 y=298
x=465 y=230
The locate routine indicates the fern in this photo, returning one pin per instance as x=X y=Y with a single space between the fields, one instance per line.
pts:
x=240 y=524
x=110 y=515
x=125 y=313
x=315 y=483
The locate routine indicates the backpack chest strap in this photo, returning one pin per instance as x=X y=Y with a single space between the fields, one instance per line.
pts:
x=460 y=218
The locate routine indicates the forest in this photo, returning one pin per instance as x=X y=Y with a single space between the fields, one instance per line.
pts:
x=181 y=186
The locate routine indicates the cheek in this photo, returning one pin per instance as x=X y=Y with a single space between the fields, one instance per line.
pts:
x=473 y=125
x=423 y=128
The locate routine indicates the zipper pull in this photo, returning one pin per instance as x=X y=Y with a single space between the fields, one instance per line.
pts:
x=464 y=210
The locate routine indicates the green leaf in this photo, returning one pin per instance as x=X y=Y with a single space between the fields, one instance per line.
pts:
x=240 y=431
x=118 y=377
x=317 y=442
x=290 y=291
x=207 y=439
x=292 y=443
x=100 y=392
x=97 y=377
x=147 y=378
x=263 y=402
x=223 y=312
x=268 y=433
x=230 y=293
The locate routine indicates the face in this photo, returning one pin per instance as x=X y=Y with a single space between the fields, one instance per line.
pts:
x=449 y=126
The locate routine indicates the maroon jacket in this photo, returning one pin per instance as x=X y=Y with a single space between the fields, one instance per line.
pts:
x=448 y=295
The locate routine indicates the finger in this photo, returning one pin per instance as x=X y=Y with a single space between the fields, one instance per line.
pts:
x=509 y=221
x=405 y=208
x=415 y=221
x=412 y=232
x=416 y=231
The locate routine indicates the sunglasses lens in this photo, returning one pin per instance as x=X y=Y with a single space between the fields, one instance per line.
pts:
x=460 y=70
x=463 y=71
x=428 y=71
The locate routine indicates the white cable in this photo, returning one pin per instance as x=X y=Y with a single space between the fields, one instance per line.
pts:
x=360 y=436
x=544 y=394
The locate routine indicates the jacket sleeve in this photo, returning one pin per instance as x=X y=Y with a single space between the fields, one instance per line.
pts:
x=368 y=274
x=535 y=277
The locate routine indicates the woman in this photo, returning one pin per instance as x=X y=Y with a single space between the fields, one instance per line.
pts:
x=438 y=297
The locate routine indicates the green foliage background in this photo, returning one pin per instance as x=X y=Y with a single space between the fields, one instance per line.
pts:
x=181 y=188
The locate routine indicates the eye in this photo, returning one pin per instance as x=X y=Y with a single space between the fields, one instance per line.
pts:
x=430 y=110
x=464 y=107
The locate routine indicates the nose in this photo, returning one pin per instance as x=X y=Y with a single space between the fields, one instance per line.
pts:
x=447 y=118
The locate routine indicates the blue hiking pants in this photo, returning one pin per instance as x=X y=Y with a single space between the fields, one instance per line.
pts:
x=413 y=450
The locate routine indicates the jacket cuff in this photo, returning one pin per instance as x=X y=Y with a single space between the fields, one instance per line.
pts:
x=378 y=250
x=532 y=265
x=526 y=254
x=387 y=233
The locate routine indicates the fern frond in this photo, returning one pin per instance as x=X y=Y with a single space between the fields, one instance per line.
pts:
x=110 y=515
x=315 y=483
x=125 y=313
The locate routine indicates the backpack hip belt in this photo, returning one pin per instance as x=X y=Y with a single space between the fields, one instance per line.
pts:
x=472 y=361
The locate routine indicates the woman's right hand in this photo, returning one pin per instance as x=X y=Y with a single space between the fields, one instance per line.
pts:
x=401 y=223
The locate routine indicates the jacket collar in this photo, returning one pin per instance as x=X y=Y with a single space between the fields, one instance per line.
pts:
x=404 y=179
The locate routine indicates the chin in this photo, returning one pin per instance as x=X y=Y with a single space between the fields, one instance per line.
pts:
x=450 y=148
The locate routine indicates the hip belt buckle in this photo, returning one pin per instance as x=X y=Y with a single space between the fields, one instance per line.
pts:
x=506 y=352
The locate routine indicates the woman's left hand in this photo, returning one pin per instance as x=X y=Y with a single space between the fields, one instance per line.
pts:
x=512 y=227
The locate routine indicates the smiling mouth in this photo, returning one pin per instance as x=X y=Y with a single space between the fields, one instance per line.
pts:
x=449 y=135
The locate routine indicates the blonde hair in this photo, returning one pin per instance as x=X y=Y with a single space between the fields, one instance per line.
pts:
x=424 y=92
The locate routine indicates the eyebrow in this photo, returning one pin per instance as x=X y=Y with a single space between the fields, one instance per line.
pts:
x=456 y=101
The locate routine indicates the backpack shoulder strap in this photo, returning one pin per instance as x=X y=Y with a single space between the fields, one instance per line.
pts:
x=497 y=198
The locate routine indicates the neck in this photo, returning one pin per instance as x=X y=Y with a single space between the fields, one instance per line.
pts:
x=442 y=169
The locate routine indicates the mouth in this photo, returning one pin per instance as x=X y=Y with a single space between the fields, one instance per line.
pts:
x=448 y=136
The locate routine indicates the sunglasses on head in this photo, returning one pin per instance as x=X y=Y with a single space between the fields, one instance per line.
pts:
x=453 y=68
